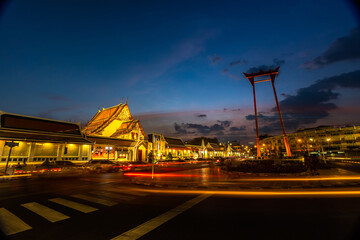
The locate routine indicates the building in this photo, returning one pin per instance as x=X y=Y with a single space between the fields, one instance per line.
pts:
x=207 y=148
x=323 y=140
x=41 y=139
x=163 y=147
x=177 y=148
x=116 y=135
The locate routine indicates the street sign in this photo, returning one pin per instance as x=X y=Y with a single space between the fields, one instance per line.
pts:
x=11 y=144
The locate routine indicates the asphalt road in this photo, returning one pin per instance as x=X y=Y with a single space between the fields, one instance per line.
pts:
x=106 y=206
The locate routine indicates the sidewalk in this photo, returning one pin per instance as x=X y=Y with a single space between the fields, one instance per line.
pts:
x=207 y=178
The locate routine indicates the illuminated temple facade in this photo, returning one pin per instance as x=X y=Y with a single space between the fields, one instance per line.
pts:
x=116 y=135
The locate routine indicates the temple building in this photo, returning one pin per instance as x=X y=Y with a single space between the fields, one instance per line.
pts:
x=177 y=148
x=168 y=147
x=116 y=135
x=38 y=140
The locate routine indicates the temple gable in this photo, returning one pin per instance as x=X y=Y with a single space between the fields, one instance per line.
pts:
x=115 y=122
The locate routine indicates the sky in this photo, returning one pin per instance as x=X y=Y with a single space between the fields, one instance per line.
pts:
x=180 y=64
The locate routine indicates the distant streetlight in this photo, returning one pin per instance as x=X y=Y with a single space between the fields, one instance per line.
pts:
x=108 y=149
x=306 y=144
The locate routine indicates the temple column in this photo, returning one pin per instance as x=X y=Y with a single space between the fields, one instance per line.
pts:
x=31 y=152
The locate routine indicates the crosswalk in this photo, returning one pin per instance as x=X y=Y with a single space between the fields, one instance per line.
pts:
x=11 y=224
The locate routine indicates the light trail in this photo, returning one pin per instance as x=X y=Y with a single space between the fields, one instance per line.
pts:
x=281 y=179
x=15 y=176
x=161 y=175
x=356 y=177
x=335 y=193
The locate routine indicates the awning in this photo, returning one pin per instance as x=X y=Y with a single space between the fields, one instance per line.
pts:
x=111 y=141
x=41 y=137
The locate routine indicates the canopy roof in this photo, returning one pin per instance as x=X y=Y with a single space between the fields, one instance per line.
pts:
x=26 y=128
x=175 y=143
x=111 y=141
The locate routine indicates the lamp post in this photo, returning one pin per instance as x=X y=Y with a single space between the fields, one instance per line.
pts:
x=328 y=140
x=300 y=148
x=311 y=140
x=108 y=149
x=306 y=145
x=322 y=147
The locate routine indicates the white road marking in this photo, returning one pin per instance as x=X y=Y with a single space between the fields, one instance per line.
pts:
x=45 y=212
x=150 y=225
x=113 y=195
x=95 y=199
x=11 y=224
x=74 y=205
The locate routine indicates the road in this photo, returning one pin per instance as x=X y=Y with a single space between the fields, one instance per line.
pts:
x=107 y=206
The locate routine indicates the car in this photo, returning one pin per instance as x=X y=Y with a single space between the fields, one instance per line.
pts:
x=135 y=166
x=99 y=166
x=219 y=161
x=56 y=164
x=57 y=167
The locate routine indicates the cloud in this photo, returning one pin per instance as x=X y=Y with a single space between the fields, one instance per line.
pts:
x=225 y=123
x=310 y=103
x=342 y=49
x=276 y=63
x=201 y=115
x=260 y=116
x=237 y=62
x=191 y=128
x=238 y=129
x=214 y=58
x=185 y=128
x=232 y=64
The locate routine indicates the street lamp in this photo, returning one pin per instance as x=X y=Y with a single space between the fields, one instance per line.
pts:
x=300 y=146
x=328 y=140
x=108 y=149
x=306 y=145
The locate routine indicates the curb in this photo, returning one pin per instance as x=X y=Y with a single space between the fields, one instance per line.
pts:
x=234 y=187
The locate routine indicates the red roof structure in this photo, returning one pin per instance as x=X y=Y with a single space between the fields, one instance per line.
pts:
x=103 y=118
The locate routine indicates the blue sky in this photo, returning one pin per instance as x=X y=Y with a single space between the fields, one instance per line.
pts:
x=176 y=60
